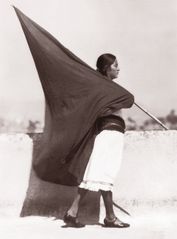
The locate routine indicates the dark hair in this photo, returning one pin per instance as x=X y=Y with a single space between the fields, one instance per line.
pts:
x=104 y=62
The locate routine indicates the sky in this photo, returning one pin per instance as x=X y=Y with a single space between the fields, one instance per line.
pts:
x=141 y=33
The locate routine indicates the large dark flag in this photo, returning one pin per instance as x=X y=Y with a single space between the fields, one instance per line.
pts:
x=76 y=96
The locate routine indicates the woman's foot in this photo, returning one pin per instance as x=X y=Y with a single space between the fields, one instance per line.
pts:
x=72 y=221
x=115 y=223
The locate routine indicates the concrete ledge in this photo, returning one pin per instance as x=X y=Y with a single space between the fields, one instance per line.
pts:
x=15 y=165
x=146 y=179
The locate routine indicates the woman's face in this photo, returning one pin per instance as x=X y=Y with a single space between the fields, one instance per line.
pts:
x=113 y=70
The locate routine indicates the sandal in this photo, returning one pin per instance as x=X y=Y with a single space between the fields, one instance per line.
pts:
x=72 y=221
x=115 y=223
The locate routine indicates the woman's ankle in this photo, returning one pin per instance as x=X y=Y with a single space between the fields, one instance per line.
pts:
x=110 y=217
x=72 y=213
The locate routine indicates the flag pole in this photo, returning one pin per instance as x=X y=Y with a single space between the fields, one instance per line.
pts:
x=152 y=116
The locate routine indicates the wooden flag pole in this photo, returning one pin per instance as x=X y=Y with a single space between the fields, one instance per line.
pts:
x=152 y=116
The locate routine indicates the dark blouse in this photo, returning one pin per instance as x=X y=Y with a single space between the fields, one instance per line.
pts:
x=110 y=122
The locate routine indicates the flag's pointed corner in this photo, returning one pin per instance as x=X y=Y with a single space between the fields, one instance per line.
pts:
x=16 y=9
x=21 y=16
x=18 y=12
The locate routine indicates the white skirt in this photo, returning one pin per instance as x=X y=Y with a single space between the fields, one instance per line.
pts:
x=104 y=162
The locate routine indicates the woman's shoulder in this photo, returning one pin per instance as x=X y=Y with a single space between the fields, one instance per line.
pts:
x=117 y=113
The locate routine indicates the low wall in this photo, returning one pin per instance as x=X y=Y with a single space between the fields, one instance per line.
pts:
x=146 y=179
x=148 y=176
x=15 y=165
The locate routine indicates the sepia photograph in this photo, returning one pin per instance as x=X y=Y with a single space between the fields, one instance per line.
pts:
x=88 y=119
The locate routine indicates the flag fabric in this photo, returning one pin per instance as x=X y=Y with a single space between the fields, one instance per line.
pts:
x=76 y=96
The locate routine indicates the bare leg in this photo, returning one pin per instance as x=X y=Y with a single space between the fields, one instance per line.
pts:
x=108 y=202
x=73 y=210
x=111 y=220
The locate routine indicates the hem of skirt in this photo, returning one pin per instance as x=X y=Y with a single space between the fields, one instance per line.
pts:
x=96 y=186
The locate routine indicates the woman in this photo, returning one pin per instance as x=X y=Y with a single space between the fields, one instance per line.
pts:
x=105 y=159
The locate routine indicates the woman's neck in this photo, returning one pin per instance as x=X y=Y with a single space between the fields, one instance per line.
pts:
x=109 y=77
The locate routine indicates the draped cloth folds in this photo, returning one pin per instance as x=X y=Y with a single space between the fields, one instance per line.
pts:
x=76 y=96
